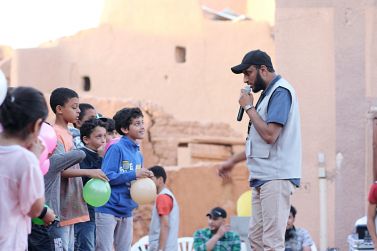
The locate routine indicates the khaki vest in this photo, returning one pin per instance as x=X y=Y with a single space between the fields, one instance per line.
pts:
x=281 y=160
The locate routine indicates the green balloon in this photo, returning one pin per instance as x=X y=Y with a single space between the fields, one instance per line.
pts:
x=37 y=221
x=96 y=192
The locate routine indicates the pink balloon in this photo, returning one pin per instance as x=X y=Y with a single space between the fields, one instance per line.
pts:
x=48 y=134
x=44 y=154
x=113 y=141
x=45 y=166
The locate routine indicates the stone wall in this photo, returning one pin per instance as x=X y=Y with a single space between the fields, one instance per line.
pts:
x=164 y=132
x=196 y=186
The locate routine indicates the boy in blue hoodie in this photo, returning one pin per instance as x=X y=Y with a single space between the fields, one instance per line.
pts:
x=122 y=164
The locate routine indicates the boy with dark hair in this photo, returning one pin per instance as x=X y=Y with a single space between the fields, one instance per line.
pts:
x=164 y=226
x=296 y=239
x=61 y=96
x=93 y=135
x=65 y=104
x=122 y=164
x=51 y=238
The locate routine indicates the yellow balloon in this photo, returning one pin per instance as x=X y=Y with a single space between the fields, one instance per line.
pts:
x=143 y=191
x=244 y=204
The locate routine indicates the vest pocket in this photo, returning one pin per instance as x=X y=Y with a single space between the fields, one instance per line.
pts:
x=256 y=147
x=261 y=151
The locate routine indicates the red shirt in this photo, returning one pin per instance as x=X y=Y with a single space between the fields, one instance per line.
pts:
x=164 y=204
x=372 y=197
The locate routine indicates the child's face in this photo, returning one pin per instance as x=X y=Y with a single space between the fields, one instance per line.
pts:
x=89 y=114
x=291 y=221
x=70 y=110
x=158 y=181
x=96 y=139
x=136 y=129
x=111 y=135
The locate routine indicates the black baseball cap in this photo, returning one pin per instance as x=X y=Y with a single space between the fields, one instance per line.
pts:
x=216 y=213
x=256 y=57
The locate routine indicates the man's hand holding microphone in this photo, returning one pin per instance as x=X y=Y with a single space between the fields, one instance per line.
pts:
x=246 y=101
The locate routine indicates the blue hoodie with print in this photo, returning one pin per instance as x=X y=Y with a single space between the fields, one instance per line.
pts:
x=120 y=163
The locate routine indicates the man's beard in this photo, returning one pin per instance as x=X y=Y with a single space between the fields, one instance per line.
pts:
x=259 y=84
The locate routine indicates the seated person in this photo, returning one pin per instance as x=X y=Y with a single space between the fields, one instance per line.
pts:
x=296 y=239
x=218 y=235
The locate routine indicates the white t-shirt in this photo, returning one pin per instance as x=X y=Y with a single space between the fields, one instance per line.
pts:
x=21 y=184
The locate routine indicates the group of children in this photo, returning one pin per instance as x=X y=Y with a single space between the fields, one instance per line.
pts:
x=81 y=154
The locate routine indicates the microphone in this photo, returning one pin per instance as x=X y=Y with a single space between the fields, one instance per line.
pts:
x=247 y=88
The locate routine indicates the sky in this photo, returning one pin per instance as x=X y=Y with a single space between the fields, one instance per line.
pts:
x=28 y=23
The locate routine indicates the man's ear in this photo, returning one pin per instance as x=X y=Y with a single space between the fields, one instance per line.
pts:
x=59 y=109
x=85 y=140
x=263 y=71
x=124 y=130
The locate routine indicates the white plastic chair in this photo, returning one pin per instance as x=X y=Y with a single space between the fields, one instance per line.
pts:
x=185 y=244
x=141 y=244
x=313 y=247
x=243 y=246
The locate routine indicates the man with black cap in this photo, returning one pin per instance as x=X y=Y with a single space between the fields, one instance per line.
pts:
x=218 y=235
x=273 y=149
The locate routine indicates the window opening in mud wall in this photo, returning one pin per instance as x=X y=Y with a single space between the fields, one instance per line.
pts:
x=180 y=54
x=86 y=85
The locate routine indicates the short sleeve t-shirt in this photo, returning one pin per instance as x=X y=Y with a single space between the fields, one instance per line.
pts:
x=279 y=106
x=21 y=184
x=164 y=204
x=65 y=137
x=372 y=197
x=73 y=208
